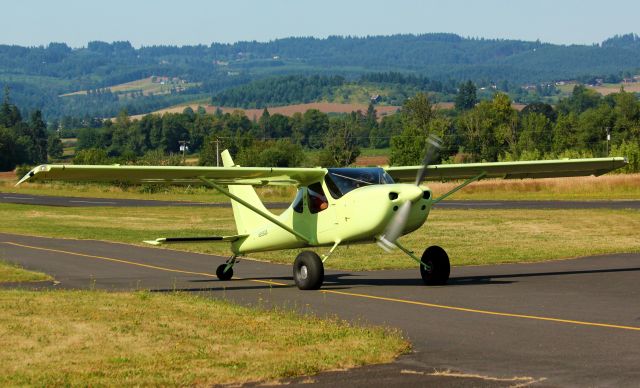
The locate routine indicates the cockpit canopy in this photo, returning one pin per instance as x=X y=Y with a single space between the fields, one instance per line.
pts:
x=340 y=181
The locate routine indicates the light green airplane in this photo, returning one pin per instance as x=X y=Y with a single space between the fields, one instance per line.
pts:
x=333 y=206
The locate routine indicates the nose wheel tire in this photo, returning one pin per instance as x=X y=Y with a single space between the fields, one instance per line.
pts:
x=308 y=271
x=439 y=268
x=222 y=275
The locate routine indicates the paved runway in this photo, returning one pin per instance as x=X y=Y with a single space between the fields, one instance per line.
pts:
x=487 y=204
x=560 y=323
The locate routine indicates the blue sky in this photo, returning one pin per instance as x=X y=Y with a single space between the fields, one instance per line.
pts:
x=36 y=22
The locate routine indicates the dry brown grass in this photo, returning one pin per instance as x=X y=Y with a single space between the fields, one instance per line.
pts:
x=288 y=110
x=621 y=186
x=615 y=88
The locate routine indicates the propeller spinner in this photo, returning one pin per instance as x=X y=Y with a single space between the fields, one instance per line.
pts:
x=397 y=224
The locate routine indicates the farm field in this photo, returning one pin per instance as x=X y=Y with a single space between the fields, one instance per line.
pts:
x=288 y=110
x=604 y=89
x=148 y=86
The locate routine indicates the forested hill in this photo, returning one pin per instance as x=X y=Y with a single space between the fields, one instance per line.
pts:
x=38 y=75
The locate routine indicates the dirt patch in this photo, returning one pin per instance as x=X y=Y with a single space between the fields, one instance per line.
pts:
x=8 y=175
x=372 y=161
x=287 y=110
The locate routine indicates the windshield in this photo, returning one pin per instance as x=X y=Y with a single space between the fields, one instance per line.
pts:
x=340 y=181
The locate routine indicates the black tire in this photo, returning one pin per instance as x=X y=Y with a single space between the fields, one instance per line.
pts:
x=308 y=271
x=439 y=267
x=224 y=275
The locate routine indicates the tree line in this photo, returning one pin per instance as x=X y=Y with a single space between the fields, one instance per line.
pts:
x=490 y=130
x=429 y=62
x=25 y=142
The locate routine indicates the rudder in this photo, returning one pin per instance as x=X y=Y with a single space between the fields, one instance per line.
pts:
x=246 y=220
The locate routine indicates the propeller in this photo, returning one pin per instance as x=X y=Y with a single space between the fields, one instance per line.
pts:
x=397 y=224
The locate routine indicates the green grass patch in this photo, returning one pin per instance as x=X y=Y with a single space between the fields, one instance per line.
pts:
x=10 y=272
x=469 y=236
x=93 y=338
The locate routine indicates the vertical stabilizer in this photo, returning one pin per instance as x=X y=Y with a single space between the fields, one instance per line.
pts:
x=246 y=219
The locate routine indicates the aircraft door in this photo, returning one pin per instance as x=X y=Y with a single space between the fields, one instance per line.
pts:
x=323 y=206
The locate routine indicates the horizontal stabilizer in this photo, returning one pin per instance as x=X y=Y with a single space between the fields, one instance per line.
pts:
x=169 y=240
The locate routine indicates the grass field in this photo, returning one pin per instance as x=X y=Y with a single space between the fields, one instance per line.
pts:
x=10 y=272
x=145 y=85
x=614 y=187
x=92 y=338
x=469 y=236
x=95 y=338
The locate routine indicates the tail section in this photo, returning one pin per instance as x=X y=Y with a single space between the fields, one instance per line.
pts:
x=246 y=220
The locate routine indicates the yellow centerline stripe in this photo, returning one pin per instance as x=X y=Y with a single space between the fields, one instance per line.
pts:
x=344 y=293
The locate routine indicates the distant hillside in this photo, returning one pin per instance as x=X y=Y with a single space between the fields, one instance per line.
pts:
x=37 y=76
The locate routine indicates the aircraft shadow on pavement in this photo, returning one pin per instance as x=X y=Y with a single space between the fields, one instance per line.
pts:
x=482 y=279
x=349 y=280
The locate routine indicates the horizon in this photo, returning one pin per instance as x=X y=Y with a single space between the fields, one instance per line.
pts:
x=34 y=23
x=207 y=44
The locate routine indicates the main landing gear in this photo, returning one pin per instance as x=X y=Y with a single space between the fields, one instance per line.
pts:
x=308 y=271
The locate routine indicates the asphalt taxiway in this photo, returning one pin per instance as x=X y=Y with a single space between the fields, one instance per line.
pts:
x=559 y=323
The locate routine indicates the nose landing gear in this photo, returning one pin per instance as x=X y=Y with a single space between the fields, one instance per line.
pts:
x=436 y=268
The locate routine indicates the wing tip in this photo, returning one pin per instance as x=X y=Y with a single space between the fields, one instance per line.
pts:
x=155 y=242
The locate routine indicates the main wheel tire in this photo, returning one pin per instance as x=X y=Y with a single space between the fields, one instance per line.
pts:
x=439 y=267
x=308 y=271
x=224 y=275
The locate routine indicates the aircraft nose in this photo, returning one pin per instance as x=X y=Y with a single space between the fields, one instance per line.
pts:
x=407 y=193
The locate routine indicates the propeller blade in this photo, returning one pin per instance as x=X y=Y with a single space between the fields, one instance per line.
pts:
x=434 y=144
x=395 y=227
x=399 y=221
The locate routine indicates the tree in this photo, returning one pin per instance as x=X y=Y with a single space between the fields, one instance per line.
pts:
x=38 y=134
x=54 y=147
x=409 y=147
x=315 y=125
x=91 y=156
x=8 y=148
x=341 y=148
x=466 y=97
x=272 y=153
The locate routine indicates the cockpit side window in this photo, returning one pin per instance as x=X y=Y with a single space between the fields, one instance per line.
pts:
x=317 y=200
x=298 y=203
x=334 y=190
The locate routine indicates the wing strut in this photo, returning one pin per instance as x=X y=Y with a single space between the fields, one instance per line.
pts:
x=465 y=183
x=254 y=209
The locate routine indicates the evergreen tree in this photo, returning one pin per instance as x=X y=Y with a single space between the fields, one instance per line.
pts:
x=466 y=97
x=54 y=147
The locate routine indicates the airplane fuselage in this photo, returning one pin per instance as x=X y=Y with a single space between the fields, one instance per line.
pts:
x=357 y=216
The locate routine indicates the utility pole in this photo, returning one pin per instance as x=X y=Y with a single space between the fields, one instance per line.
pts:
x=183 y=148
x=217 y=152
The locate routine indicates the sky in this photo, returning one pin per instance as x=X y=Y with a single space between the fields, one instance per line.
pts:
x=146 y=22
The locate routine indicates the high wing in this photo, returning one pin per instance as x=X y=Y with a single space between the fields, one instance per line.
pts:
x=511 y=170
x=176 y=175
